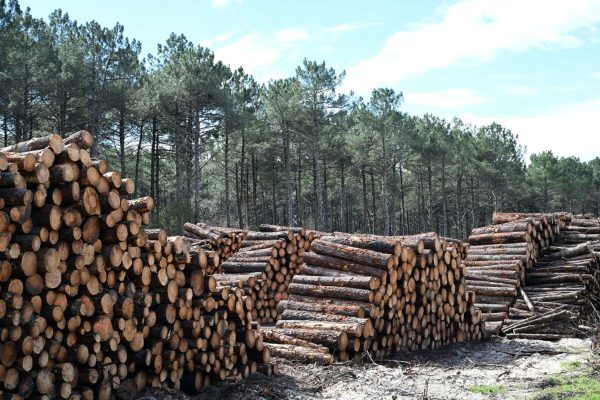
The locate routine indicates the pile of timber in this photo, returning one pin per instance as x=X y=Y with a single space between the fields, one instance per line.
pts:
x=263 y=267
x=367 y=293
x=91 y=302
x=218 y=243
x=562 y=286
x=499 y=256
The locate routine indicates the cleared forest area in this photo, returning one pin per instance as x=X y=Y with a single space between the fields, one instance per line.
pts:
x=173 y=228
x=96 y=305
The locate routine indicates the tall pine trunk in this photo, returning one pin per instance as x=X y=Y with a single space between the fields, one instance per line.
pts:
x=287 y=164
x=273 y=189
x=137 y=157
x=197 y=167
x=384 y=188
x=254 y=185
x=152 y=160
x=238 y=196
x=226 y=161
x=242 y=169
x=374 y=206
x=122 y=141
x=363 y=175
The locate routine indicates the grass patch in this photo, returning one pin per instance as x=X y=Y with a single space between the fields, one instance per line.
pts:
x=487 y=389
x=571 y=365
x=570 y=387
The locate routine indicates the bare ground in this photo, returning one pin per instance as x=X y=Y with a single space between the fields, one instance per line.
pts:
x=521 y=367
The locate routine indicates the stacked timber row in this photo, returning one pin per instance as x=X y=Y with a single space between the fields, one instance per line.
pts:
x=359 y=293
x=499 y=255
x=263 y=267
x=218 y=243
x=562 y=286
x=259 y=266
x=90 y=301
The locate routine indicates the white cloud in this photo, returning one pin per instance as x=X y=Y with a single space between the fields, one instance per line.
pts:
x=350 y=27
x=521 y=91
x=265 y=54
x=291 y=35
x=475 y=30
x=223 y=3
x=568 y=130
x=451 y=98
x=210 y=42
x=251 y=52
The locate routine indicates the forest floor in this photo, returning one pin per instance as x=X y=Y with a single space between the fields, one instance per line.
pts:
x=496 y=369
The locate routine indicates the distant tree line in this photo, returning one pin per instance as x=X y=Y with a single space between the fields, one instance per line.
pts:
x=211 y=144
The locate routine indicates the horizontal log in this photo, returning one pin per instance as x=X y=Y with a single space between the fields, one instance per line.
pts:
x=361 y=282
x=332 y=292
x=355 y=255
x=502 y=237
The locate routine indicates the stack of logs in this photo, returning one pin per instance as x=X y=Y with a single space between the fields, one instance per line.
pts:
x=367 y=293
x=257 y=265
x=264 y=265
x=561 y=287
x=218 y=243
x=90 y=301
x=500 y=254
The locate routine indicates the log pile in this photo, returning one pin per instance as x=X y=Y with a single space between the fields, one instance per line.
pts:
x=499 y=256
x=264 y=266
x=218 y=243
x=91 y=302
x=562 y=286
x=259 y=267
x=359 y=293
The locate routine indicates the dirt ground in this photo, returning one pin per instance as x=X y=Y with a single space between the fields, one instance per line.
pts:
x=520 y=367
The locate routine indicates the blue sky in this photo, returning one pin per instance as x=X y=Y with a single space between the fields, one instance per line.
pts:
x=531 y=65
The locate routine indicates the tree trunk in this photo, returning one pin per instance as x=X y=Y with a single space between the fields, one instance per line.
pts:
x=178 y=187
x=326 y=222
x=365 y=200
x=157 y=168
x=197 y=166
x=384 y=189
x=319 y=179
x=242 y=169
x=373 y=204
x=122 y=141
x=137 y=158
x=404 y=229
x=254 y=183
x=429 y=196
x=289 y=216
x=246 y=195
x=444 y=197
x=238 y=196
x=5 y=126
x=273 y=190
x=344 y=211
x=152 y=160
x=299 y=207
x=226 y=161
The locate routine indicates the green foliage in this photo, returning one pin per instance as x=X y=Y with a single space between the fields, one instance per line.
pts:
x=488 y=389
x=210 y=143
x=570 y=387
x=571 y=365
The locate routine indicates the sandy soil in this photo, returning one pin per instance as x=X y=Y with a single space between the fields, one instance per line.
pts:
x=521 y=366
